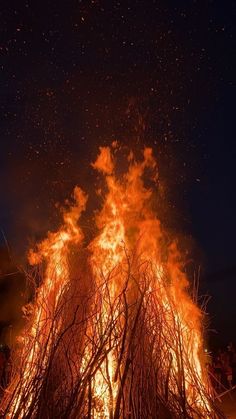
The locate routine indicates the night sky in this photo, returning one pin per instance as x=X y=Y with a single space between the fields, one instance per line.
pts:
x=79 y=74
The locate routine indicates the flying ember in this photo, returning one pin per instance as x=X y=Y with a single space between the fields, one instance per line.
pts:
x=112 y=331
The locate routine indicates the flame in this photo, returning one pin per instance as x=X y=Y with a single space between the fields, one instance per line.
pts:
x=132 y=261
x=54 y=250
x=125 y=221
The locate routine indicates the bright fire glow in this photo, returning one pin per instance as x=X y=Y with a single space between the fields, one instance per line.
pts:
x=141 y=315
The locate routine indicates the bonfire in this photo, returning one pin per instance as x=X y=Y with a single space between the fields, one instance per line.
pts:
x=112 y=331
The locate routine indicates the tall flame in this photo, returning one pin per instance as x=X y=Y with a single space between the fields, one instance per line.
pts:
x=142 y=328
x=37 y=343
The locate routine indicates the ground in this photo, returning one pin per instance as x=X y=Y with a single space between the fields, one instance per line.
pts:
x=228 y=405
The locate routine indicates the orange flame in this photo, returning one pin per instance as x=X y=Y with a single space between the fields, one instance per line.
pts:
x=54 y=250
x=130 y=239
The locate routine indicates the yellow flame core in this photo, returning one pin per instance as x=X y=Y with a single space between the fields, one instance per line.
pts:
x=127 y=229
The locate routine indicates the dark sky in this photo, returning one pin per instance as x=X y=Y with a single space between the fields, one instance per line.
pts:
x=78 y=74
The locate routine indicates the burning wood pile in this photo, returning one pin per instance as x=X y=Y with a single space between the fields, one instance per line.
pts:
x=113 y=332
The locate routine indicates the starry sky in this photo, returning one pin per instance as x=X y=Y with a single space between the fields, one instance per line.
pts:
x=79 y=74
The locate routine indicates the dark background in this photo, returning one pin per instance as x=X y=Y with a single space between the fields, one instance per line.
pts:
x=79 y=74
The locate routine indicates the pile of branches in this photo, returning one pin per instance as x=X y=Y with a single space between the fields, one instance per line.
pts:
x=93 y=345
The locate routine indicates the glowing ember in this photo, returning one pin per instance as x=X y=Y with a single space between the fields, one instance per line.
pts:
x=123 y=338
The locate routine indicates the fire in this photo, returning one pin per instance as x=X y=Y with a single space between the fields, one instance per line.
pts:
x=125 y=339
x=55 y=252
